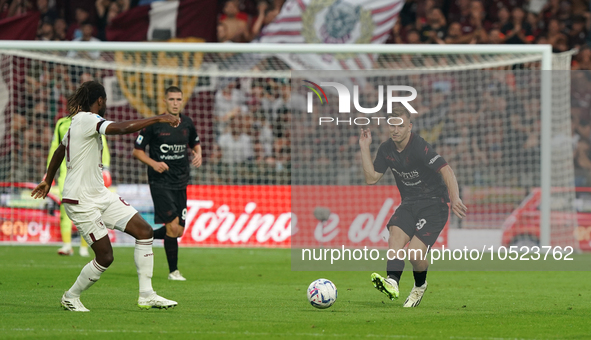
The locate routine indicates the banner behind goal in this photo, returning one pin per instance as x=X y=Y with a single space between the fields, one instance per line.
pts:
x=482 y=110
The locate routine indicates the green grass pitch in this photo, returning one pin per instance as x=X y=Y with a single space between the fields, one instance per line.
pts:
x=252 y=293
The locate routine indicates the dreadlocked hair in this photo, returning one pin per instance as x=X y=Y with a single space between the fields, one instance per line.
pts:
x=86 y=95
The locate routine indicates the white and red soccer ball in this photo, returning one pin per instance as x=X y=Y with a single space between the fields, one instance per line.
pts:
x=322 y=293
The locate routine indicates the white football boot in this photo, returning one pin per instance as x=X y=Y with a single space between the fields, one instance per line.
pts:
x=155 y=301
x=416 y=295
x=73 y=304
x=66 y=250
x=176 y=276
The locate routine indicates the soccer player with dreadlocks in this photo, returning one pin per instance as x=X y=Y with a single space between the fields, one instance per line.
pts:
x=90 y=205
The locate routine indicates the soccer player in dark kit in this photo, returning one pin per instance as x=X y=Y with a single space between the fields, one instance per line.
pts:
x=426 y=184
x=168 y=174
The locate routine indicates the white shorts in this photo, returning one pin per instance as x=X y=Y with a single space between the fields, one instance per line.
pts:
x=93 y=218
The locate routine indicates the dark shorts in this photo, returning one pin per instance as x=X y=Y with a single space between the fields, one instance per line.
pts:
x=169 y=204
x=423 y=219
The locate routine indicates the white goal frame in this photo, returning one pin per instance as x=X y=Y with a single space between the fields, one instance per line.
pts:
x=545 y=52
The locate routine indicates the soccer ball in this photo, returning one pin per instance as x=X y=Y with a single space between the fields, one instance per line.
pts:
x=322 y=293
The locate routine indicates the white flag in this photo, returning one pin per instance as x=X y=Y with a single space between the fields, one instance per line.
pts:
x=332 y=22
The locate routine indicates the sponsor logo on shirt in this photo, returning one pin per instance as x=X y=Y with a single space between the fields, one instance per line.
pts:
x=407 y=175
x=433 y=159
x=174 y=148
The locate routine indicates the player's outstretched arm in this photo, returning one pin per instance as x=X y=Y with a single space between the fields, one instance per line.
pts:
x=371 y=175
x=131 y=126
x=43 y=188
x=457 y=206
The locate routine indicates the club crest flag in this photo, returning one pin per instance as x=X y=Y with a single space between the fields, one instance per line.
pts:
x=332 y=22
x=145 y=78
x=145 y=75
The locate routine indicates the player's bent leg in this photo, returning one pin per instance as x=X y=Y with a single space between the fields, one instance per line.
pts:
x=394 y=267
x=417 y=254
x=174 y=229
x=387 y=285
x=144 y=262
x=171 y=247
x=139 y=228
x=90 y=274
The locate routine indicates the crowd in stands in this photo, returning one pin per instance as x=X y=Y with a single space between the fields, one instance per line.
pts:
x=564 y=24
x=253 y=119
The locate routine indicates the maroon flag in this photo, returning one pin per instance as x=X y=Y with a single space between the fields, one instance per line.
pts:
x=22 y=27
x=163 y=20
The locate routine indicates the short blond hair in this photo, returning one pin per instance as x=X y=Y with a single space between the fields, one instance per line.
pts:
x=399 y=112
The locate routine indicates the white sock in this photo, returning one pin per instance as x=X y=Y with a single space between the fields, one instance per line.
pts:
x=144 y=262
x=90 y=274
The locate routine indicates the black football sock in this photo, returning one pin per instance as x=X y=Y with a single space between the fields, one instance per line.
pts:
x=171 y=246
x=420 y=278
x=160 y=233
x=394 y=269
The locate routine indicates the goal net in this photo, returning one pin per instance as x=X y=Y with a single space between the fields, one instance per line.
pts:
x=481 y=111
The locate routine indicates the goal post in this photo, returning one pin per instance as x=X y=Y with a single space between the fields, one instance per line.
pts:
x=207 y=65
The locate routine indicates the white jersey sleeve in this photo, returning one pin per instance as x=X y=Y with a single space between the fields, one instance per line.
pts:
x=94 y=123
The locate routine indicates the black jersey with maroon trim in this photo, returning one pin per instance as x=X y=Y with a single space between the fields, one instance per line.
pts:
x=169 y=145
x=416 y=169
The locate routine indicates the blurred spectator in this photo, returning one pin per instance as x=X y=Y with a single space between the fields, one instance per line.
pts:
x=17 y=7
x=423 y=10
x=236 y=145
x=124 y=5
x=212 y=170
x=583 y=61
x=48 y=14
x=236 y=22
x=106 y=11
x=495 y=36
x=273 y=11
x=4 y=7
x=503 y=17
x=459 y=10
x=475 y=25
x=222 y=32
x=87 y=31
x=517 y=31
x=398 y=34
x=285 y=102
x=554 y=31
x=550 y=10
x=60 y=29
x=578 y=32
x=433 y=32
x=75 y=29
x=454 y=34
x=46 y=32
x=259 y=96
x=413 y=37
x=229 y=103
x=535 y=24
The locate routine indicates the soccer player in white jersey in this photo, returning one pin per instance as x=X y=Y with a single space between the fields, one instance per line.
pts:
x=91 y=206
